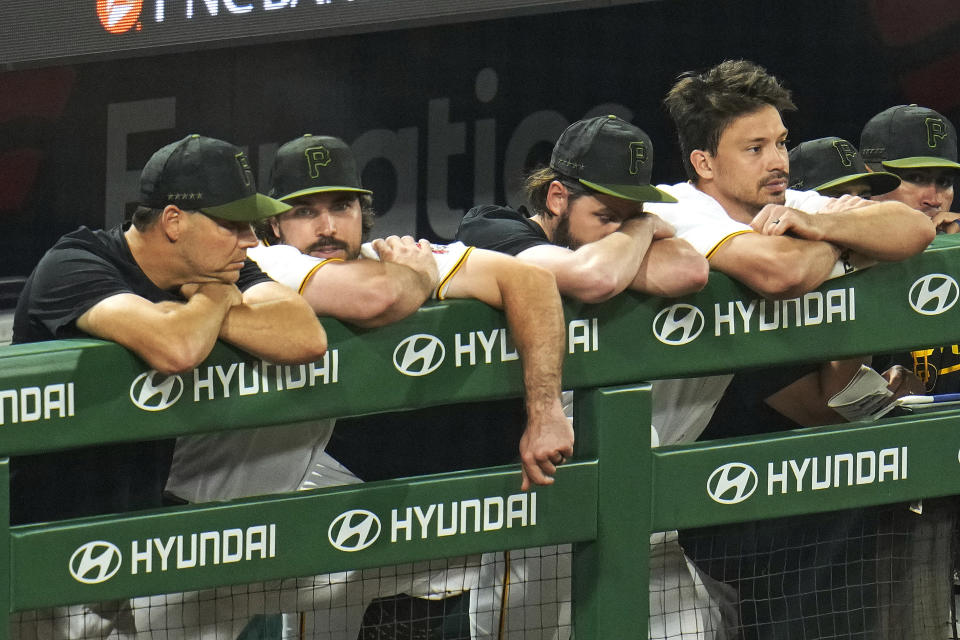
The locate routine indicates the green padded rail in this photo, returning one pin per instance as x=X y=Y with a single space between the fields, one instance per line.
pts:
x=74 y=393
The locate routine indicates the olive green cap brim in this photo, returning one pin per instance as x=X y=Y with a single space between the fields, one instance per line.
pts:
x=636 y=193
x=920 y=162
x=879 y=181
x=324 y=189
x=249 y=209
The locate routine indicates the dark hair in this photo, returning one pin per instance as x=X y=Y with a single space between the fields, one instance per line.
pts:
x=265 y=233
x=536 y=185
x=702 y=105
x=143 y=217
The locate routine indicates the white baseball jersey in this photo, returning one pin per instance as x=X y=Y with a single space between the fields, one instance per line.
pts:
x=682 y=408
x=236 y=464
x=288 y=266
x=704 y=223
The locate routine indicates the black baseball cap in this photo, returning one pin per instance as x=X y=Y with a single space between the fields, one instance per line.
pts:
x=313 y=164
x=908 y=137
x=204 y=174
x=827 y=163
x=608 y=155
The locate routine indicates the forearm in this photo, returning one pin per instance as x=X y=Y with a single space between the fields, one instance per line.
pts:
x=886 y=231
x=169 y=336
x=776 y=266
x=671 y=267
x=283 y=330
x=535 y=317
x=805 y=400
x=365 y=292
x=607 y=266
x=397 y=293
x=532 y=305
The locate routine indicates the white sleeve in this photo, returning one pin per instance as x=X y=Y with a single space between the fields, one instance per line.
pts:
x=698 y=218
x=286 y=264
x=449 y=257
x=808 y=201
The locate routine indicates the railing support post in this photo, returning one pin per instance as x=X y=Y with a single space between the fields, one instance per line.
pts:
x=611 y=573
x=6 y=603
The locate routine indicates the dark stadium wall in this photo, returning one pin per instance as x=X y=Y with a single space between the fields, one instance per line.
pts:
x=445 y=117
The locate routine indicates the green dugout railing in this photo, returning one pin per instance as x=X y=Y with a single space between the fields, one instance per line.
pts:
x=616 y=491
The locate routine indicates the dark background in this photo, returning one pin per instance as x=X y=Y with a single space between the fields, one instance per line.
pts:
x=844 y=61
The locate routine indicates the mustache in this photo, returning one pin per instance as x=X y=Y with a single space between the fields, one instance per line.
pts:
x=775 y=175
x=325 y=243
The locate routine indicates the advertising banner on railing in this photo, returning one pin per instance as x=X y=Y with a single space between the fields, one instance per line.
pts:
x=340 y=529
x=814 y=470
x=74 y=393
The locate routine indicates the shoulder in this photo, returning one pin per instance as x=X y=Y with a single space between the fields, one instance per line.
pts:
x=285 y=264
x=809 y=201
x=697 y=217
x=500 y=229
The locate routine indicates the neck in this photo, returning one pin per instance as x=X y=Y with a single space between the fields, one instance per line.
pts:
x=154 y=255
x=545 y=223
x=736 y=209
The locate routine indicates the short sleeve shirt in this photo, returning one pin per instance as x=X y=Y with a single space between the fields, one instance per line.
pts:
x=83 y=268
x=500 y=229
x=288 y=266
x=704 y=223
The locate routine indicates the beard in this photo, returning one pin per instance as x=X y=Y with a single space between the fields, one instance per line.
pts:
x=561 y=235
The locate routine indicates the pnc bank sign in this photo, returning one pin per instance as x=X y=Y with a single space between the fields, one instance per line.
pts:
x=121 y=16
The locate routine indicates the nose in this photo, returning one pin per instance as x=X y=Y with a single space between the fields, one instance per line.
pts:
x=324 y=225
x=931 y=197
x=778 y=159
x=247 y=238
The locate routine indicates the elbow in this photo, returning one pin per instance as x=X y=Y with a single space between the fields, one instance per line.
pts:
x=176 y=357
x=926 y=232
x=783 y=280
x=914 y=234
x=591 y=286
x=785 y=286
x=691 y=276
x=376 y=305
x=313 y=347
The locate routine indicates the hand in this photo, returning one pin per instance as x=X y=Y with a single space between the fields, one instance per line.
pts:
x=544 y=446
x=777 y=220
x=903 y=382
x=417 y=256
x=660 y=228
x=947 y=222
x=844 y=203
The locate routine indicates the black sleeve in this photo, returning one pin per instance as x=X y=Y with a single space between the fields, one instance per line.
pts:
x=250 y=274
x=499 y=229
x=66 y=284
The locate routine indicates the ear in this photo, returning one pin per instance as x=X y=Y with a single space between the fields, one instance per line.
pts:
x=172 y=222
x=702 y=163
x=275 y=226
x=556 y=198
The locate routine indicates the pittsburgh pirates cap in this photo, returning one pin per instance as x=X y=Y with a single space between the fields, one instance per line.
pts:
x=906 y=137
x=827 y=163
x=204 y=174
x=608 y=155
x=313 y=164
